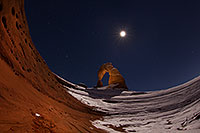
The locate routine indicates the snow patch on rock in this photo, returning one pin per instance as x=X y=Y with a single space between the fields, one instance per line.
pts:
x=172 y=110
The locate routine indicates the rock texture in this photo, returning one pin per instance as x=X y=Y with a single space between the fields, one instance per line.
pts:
x=174 y=110
x=114 y=76
x=27 y=85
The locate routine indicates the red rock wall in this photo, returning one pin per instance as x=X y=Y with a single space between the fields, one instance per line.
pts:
x=28 y=86
x=17 y=49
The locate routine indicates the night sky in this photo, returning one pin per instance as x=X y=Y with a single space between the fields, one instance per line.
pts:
x=161 y=49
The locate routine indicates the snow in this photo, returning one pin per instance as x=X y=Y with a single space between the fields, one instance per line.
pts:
x=172 y=110
x=36 y=114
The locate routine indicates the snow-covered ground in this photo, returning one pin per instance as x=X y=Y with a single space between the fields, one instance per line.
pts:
x=167 y=111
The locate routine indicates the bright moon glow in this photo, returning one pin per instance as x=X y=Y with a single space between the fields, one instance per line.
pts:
x=122 y=33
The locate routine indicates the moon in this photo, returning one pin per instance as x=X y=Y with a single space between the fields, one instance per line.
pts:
x=122 y=33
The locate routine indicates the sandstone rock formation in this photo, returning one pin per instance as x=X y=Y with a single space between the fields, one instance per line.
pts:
x=114 y=76
x=27 y=85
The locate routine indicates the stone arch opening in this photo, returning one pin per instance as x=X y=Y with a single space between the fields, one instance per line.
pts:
x=105 y=78
x=114 y=76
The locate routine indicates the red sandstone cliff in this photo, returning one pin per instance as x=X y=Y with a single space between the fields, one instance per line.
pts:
x=27 y=85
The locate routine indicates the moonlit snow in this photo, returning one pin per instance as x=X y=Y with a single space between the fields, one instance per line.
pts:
x=173 y=110
x=36 y=114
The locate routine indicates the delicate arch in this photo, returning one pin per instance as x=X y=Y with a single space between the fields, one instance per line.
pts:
x=114 y=76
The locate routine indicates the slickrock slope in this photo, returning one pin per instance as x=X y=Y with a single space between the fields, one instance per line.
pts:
x=175 y=110
x=31 y=99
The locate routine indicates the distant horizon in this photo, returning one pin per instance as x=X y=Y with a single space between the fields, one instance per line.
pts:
x=105 y=81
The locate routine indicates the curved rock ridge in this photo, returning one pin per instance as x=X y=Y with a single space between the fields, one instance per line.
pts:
x=166 y=111
x=31 y=98
x=114 y=76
